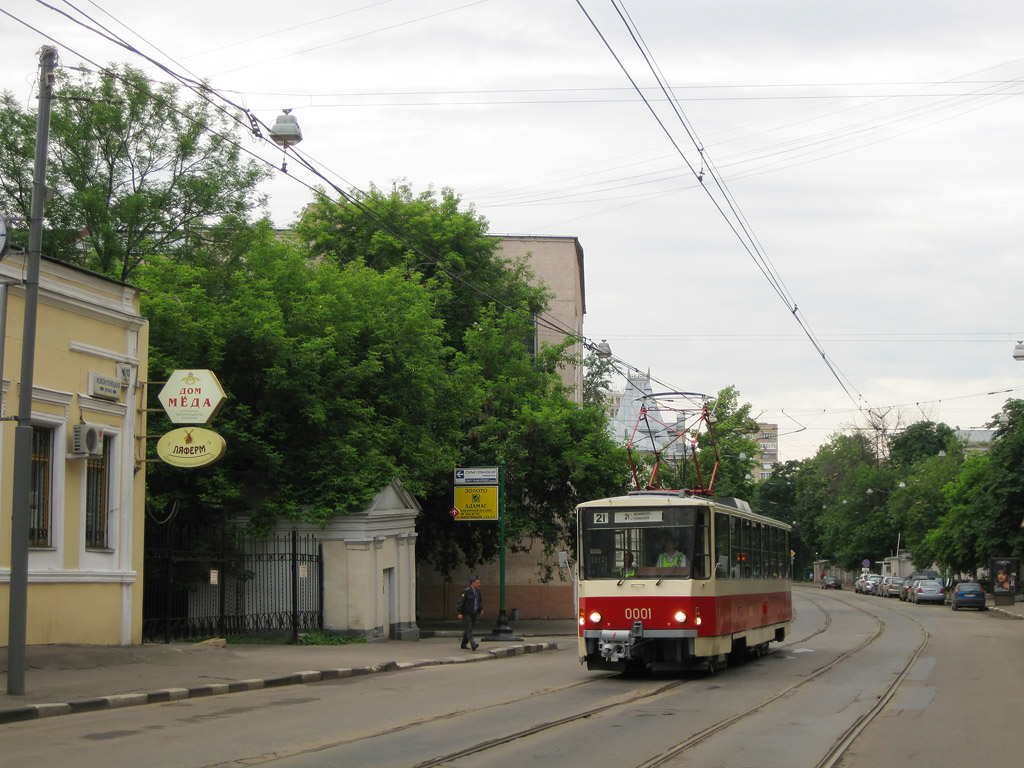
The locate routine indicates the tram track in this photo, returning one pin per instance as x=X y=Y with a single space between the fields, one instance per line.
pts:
x=830 y=758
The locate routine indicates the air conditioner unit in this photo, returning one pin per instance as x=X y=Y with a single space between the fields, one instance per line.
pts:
x=87 y=439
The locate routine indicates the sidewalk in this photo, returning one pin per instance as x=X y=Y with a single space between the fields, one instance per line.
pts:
x=64 y=679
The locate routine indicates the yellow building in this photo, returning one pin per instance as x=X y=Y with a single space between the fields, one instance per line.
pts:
x=87 y=498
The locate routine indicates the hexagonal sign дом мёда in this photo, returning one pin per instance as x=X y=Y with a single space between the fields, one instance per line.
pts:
x=192 y=397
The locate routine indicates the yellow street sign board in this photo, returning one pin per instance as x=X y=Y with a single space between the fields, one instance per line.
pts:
x=478 y=502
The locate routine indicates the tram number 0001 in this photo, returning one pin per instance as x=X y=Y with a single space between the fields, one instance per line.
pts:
x=638 y=614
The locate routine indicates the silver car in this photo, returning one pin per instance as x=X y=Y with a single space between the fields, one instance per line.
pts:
x=927 y=591
x=893 y=586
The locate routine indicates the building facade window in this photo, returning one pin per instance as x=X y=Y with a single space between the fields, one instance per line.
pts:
x=97 y=482
x=40 y=518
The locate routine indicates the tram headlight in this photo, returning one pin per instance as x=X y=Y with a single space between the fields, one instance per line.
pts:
x=595 y=617
x=680 y=617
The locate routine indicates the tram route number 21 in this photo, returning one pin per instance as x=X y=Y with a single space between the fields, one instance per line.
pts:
x=634 y=614
x=600 y=518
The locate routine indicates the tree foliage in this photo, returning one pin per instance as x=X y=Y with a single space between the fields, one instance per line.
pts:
x=336 y=377
x=135 y=170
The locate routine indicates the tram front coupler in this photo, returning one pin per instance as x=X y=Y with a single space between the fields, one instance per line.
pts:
x=617 y=644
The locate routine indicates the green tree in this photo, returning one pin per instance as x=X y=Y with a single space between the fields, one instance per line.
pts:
x=427 y=235
x=135 y=170
x=337 y=380
x=1000 y=529
x=731 y=435
x=954 y=540
x=597 y=378
x=556 y=452
x=920 y=440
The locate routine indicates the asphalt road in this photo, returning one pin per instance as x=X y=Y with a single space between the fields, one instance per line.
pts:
x=885 y=683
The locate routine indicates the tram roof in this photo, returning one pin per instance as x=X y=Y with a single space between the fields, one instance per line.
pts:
x=677 y=498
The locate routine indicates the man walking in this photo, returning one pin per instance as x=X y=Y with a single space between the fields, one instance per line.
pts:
x=471 y=605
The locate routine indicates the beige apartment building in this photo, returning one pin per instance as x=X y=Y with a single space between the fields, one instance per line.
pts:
x=87 y=500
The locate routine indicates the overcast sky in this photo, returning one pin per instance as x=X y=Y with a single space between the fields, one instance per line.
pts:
x=871 y=149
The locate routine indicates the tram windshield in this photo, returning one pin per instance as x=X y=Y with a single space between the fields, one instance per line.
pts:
x=641 y=543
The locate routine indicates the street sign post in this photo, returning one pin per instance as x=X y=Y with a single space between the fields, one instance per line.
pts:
x=480 y=495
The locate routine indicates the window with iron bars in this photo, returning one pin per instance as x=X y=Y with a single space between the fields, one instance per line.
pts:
x=39 y=513
x=97 y=474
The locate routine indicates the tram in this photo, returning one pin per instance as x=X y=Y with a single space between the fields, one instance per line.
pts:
x=670 y=579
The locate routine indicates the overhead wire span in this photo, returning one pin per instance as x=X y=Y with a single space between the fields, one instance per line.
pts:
x=207 y=92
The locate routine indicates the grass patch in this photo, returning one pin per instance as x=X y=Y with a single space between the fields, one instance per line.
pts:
x=320 y=637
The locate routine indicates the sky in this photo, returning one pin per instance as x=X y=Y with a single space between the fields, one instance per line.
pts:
x=818 y=204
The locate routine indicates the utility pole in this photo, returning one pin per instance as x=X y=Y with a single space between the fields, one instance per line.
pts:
x=18 y=611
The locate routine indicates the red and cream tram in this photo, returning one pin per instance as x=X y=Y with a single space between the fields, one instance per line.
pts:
x=673 y=579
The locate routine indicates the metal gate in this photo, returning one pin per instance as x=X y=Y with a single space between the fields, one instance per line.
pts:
x=217 y=581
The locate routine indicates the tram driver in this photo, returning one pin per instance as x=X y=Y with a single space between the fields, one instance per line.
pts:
x=672 y=558
x=627 y=571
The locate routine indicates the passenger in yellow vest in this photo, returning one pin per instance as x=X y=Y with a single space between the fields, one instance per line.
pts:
x=670 y=558
x=627 y=571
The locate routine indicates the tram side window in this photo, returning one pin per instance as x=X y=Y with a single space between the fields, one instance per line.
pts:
x=787 y=561
x=776 y=552
x=748 y=545
x=700 y=548
x=736 y=546
x=721 y=545
x=757 y=551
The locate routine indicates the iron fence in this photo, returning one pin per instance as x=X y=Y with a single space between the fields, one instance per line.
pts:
x=219 y=581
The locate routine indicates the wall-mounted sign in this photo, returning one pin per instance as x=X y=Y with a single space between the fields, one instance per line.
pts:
x=191 y=447
x=192 y=397
x=104 y=387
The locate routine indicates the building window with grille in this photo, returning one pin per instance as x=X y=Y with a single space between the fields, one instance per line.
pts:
x=97 y=480
x=40 y=517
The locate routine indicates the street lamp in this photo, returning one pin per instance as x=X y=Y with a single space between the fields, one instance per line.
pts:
x=285 y=132
x=602 y=350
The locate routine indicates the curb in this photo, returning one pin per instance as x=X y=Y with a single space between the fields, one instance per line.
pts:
x=1003 y=612
x=164 y=695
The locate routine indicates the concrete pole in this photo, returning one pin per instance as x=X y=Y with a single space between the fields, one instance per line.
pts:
x=18 y=614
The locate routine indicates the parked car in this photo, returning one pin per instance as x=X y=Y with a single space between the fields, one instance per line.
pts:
x=870 y=583
x=967 y=594
x=928 y=591
x=905 y=590
x=893 y=587
x=831 y=582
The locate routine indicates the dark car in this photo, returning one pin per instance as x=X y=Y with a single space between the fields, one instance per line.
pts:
x=967 y=595
x=905 y=590
x=831 y=582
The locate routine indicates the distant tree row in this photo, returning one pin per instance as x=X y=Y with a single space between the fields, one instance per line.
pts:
x=918 y=490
